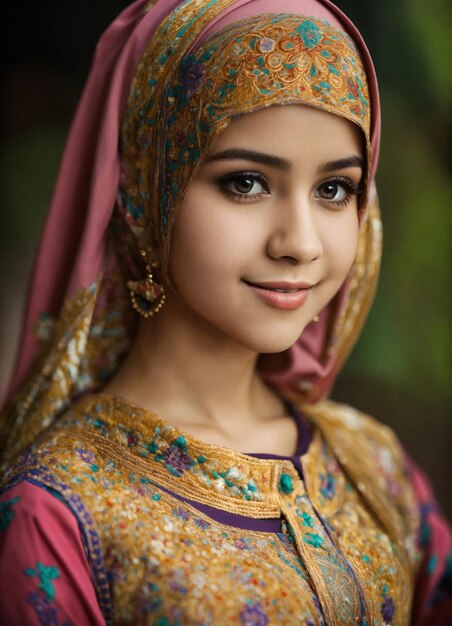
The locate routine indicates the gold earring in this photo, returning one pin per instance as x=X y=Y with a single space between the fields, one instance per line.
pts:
x=316 y=318
x=147 y=295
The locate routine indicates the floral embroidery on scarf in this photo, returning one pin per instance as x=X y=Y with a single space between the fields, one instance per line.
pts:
x=46 y=613
x=7 y=513
x=42 y=599
x=176 y=459
x=45 y=575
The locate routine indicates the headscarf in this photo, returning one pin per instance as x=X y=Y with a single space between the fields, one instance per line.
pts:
x=167 y=78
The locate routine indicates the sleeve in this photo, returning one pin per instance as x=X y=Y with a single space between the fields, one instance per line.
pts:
x=433 y=590
x=45 y=577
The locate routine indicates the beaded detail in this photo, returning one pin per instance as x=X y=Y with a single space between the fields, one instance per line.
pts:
x=345 y=555
x=285 y=483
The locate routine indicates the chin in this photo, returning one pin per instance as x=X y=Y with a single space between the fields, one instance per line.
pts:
x=271 y=342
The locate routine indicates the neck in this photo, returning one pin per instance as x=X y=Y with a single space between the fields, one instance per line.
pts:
x=194 y=375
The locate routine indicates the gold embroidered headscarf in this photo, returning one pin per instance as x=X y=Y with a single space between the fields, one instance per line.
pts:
x=167 y=79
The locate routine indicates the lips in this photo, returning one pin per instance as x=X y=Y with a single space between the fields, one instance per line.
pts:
x=282 y=294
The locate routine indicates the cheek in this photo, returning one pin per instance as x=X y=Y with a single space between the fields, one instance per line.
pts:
x=205 y=246
x=340 y=242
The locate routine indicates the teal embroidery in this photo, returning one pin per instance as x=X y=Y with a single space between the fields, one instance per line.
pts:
x=313 y=540
x=45 y=573
x=6 y=512
x=307 y=519
x=286 y=483
x=180 y=442
x=327 y=486
x=176 y=455
x=310 y=33
x=431 y=565
x=163 y=621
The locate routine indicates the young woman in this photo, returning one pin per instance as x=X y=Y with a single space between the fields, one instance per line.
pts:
x=209 y=260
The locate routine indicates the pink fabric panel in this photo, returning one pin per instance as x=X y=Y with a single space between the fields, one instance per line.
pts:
x=37 y=533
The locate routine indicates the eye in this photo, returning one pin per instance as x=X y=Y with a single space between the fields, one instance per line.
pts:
x=332 y=191
x=244 y=186
x=338 y=191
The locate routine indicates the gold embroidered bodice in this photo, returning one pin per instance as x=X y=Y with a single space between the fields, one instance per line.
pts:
x=345 y=554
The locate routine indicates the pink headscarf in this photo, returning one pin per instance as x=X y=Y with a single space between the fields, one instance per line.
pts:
x=71 y=253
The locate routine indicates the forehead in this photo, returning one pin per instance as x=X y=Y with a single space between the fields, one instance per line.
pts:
x=292 y=131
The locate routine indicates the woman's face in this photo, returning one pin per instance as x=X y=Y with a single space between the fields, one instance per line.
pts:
x=268 y=229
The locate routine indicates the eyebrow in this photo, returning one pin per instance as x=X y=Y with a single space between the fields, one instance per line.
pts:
x=279 y=162
x=250 y=155
x=340 y=164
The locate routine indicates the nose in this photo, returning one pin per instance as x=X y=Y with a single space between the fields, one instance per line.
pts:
x=295 y=235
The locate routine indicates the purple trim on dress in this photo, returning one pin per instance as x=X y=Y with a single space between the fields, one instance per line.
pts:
x=272 y=525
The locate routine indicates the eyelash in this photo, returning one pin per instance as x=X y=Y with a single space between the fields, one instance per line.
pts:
x=350 y=187
x=242 y=197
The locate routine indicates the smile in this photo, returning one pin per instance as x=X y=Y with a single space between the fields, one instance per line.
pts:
x=281 y=295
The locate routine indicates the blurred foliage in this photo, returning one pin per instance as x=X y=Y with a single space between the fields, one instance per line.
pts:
x=406 y=343
x=37 y=153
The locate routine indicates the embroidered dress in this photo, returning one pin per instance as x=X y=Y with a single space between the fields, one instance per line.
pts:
x=110 y=515
x=180 y=532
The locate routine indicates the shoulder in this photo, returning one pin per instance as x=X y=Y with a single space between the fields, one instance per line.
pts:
x=47 y=478
x=369 y=449
x=61 y=451
x=373 y=458
x=32 y=505
x=349 y=425
x=37 y=519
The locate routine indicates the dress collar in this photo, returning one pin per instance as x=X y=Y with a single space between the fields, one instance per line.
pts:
x=155 y=451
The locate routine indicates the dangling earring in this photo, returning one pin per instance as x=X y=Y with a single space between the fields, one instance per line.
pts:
x=147 y=296
x=316 y=318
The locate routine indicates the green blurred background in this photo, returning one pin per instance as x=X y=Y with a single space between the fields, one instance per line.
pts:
x=400 y=371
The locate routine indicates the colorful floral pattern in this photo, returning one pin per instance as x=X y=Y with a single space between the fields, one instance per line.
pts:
x=117 y=466
x=42 y=600
x=45 y=612
x=253 y=615
x=45 y=574
x=7 y=513
x=178 y=458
